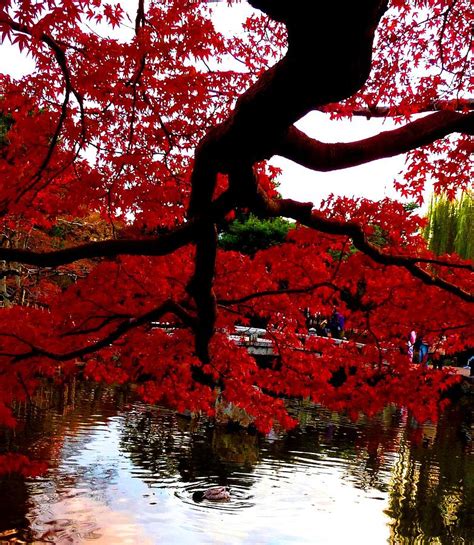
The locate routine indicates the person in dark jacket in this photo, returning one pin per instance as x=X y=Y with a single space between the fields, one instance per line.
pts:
x=336 y=324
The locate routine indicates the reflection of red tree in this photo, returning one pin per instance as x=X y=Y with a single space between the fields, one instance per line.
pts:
x=18 y=463
x=143 y=110
x=46 y=419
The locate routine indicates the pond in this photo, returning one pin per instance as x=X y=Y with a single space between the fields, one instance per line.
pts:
x=122 y=472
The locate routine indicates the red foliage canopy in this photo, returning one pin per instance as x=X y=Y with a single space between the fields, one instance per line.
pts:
x=154 y=133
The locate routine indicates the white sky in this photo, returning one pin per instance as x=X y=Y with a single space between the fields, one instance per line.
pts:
x=373 y=180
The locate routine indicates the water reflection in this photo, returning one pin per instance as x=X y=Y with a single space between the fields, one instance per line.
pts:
x=432 y=487
x=123 y=472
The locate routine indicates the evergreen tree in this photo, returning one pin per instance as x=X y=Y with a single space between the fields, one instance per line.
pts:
x=249 y=234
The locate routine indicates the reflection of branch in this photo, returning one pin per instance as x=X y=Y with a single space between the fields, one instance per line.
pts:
x=25 y=388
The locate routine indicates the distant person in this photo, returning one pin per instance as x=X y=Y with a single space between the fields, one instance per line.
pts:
x=421 y=347
x=470 y=365
x=336 y=324
x=321 y=326
x=315 y=323
x=411 y=344
x=439 y=353
x=310 y=320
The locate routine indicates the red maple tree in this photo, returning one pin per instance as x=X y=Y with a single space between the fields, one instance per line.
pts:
x=153 y=133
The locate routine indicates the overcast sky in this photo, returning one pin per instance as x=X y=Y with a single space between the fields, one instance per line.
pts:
x=374 y=180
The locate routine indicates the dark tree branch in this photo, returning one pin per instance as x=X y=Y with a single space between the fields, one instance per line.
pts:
x=200 y=286
x=460 y=105
x=335 y=44
x=140 y=17
x=201 y=289
x=316 y=155
x=123 y=328
x=162 y=245
x=302 y=212
x=157 y=246
x=271 y=293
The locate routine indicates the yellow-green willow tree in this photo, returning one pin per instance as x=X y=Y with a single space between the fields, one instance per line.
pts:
x=450 y=227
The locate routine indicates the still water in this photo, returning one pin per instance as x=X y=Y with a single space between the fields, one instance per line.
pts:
x=123 y=473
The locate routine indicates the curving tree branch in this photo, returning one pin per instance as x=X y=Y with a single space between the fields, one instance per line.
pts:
x=157 y=246
x=162 y=245
x=302 y=213
x=335 y=44
x=316 y=155
x=58 y=50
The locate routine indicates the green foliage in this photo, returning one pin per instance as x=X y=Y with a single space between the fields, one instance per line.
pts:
x=57 y=231
x=250 y=234
x=379 y=236
x=450 y=225
x=411 y=206
x=5 y=124
x=464 y=240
